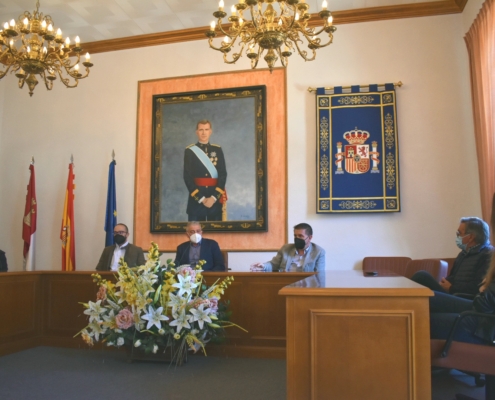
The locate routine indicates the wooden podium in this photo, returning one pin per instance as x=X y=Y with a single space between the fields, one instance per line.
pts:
x=355 y=337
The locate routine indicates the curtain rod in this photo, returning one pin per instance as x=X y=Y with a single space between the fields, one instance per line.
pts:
x=310 y=89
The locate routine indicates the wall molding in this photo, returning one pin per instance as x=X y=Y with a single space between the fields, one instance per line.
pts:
x=340 y=17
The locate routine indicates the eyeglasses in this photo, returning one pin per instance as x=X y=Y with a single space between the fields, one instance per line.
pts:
x=459 y=234
x=119 y=233
x=193 y=232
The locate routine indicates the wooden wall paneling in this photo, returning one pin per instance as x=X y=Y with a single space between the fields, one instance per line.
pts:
x=21 y=311
x=42 y=308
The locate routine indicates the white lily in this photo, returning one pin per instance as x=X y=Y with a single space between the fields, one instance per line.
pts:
x=185 y=285
x=154 y=317
x=94 y=310
x=200 y=315
x=182 y=321
x=97 y=329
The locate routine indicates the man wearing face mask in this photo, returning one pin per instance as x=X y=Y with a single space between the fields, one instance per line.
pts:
x=470 y=266
x=300 y=256
x=133 y=255
x=199 y=248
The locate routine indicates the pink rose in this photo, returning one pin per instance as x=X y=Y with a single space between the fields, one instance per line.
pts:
x=102 y=293
x=213 y=304
x=188 y=271
x=124 y=319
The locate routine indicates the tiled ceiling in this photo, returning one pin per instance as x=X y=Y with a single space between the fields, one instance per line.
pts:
x=96 y=20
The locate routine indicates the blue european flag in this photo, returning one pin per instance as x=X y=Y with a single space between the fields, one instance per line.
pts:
x=111 y=212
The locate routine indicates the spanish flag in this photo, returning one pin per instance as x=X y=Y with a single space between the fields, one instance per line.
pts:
x=67 y=231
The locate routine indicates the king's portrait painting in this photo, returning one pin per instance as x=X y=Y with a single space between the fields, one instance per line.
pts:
x=209 y=160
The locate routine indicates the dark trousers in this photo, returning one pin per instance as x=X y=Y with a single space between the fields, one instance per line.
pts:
x=444 y=309
x=213 y=214
x=424 y=278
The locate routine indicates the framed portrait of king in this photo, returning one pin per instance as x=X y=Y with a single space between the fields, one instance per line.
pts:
x=209 y=160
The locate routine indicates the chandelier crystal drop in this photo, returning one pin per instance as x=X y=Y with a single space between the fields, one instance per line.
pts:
x=277 y=29
x=31 y=46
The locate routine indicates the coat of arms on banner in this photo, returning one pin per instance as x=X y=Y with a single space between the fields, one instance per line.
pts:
x=358 y=151
x=357 y=154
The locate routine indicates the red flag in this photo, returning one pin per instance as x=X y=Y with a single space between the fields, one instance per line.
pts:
x=29 y=222
x=67 y=231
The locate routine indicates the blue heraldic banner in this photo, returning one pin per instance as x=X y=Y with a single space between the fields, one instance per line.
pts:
x=358 y=150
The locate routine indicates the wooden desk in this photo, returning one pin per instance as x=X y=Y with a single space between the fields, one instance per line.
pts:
x=353 y=337
x=41 y=308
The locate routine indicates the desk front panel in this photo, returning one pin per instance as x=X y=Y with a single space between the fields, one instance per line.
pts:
x=345 y=347
x=42 y=308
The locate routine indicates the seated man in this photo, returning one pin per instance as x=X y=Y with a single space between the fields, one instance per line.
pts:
x=133 y=255
x=300 y=256
x=199 y=248
x=470 y=266
x=3 y=262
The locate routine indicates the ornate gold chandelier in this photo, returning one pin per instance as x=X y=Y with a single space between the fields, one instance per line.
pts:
x=31 y=47
x=278 y=33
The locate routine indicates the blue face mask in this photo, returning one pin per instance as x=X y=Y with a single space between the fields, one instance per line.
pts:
x=458 y=242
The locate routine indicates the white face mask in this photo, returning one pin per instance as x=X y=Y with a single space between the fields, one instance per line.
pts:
x=195 y=238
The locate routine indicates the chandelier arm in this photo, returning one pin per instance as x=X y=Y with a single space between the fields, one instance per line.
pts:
x=283 y=60
x=21 y=82
x=253 y=16
x=220 y=27
x=303 y=53
x=48 y=82
x=3 y=73
x=223 y=49
x=235 y=56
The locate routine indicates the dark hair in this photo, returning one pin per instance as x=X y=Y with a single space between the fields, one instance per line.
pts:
x=126 y=228
x=478 y=228
x=306 y=227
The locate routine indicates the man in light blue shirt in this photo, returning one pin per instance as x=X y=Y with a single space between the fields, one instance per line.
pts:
x=300 y=256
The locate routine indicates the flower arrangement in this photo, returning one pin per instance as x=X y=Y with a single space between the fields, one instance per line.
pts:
x=157 y=308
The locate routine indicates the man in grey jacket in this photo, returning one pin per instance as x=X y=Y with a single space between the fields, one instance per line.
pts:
x=300 y=256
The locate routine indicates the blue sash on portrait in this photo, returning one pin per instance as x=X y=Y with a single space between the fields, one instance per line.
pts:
x=358 y=152
x=205 y=160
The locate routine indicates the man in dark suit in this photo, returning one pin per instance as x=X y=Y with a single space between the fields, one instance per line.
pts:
x=133 y=255
x=199 y=248
x=3 y=262
x=205 y=175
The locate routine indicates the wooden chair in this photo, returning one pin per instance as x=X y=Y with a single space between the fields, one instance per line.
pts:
x=437 y=268
x=475 y=358
x=225 y=255
x=396 y=265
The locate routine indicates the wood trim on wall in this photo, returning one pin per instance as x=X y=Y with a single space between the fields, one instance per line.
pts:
x=340 y=17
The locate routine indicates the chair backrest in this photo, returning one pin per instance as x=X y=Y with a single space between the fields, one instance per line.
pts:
x=225 y=255
x=396 y=265
x=450 y=262
x=437 y=268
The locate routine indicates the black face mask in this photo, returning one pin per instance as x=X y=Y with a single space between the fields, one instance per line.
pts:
x=299 y=243
x=119 y=239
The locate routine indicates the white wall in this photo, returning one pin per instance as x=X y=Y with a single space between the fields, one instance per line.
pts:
x=470 y=12
x=439 y=179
